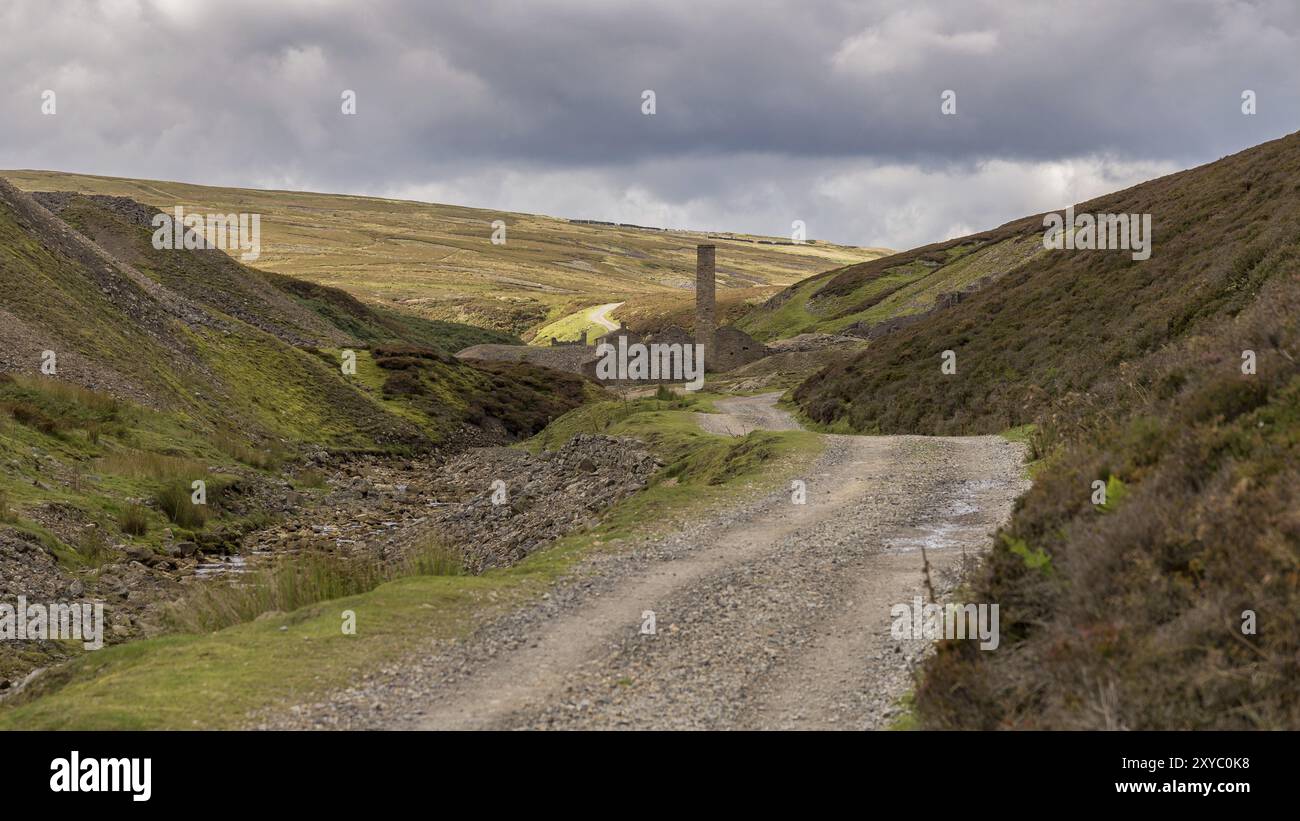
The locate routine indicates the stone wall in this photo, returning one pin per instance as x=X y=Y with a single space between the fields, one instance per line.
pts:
x=733 y=348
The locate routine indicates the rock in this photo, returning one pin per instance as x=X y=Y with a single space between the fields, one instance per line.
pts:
x=142 y=555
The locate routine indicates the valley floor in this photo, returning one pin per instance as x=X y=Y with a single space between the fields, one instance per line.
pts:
x=769 y=614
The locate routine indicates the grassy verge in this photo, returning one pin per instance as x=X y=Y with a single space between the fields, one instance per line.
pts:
x=1036 y=455
x=666 y=424
x=215 y=680
x=905 y=720
x=300 y=581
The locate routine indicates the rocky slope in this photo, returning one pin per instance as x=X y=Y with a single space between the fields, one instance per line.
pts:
x=179 y=366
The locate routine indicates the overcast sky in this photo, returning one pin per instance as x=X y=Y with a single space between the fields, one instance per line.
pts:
x=767 y=111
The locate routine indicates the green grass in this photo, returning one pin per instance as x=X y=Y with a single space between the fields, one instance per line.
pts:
x=1023 y=434
x=175 y=501
x=908 y=284
x=906 y=720
x=214 y=680
x=137 y=464
x=138 y=453
x=1028 y=435
x=668 y=426
x=7 y=514
x=297 y=581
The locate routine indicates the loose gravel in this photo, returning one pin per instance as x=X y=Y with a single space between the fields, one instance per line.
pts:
x=766 y=613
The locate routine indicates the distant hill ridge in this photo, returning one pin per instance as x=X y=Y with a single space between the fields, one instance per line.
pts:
x=441 y=261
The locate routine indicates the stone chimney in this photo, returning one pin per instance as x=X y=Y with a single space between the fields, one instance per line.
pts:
x=705 y=292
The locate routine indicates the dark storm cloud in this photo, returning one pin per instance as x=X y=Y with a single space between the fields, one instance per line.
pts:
x=767 y=111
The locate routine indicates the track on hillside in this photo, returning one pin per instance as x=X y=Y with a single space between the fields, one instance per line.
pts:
x=770 y=614
x=600 y=316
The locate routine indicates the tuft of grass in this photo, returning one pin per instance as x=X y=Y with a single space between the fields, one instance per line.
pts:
x=92 y=548
x=102 y=405
x=53 y=407
x=174 y=500
x=240 y=450
x=433 y=558
x=134 y=521
x=7 y=514
x=145 y=465
x=303 y=580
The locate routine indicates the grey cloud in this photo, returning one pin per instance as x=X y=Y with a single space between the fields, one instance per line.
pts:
x=765 y=110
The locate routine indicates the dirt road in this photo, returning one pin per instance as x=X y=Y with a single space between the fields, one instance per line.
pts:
x=746 y=413
x=600 y=316
x=768 y=615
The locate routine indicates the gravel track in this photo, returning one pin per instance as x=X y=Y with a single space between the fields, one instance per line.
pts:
x=600 y=316
x=768 y=614
x=747 y=413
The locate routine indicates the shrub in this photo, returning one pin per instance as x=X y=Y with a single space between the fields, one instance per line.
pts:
x=134 y=521
x=404 y=383
x=33 y=417
x=522 y=397
x=398 y=363
x=174 y=500
x=92 y=548
x=410 y=352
